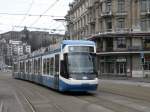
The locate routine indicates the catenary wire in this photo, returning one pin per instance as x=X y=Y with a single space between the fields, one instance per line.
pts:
x=51 y=6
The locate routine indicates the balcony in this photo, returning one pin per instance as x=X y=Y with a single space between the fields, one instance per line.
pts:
x=101 y=1
x=92 y=20
x=109 y=49
x=106 y=14
x=99 y=50
x=121 y=13
x=108 y=30
x=122 y=30
x=146 y=12
x=135 y=48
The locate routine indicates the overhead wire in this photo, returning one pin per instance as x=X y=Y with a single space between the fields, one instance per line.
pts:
x=38 y=28
x=30 y=7
x=51 y=6
x=39 y=16
x=23 y=14
x=53 y=24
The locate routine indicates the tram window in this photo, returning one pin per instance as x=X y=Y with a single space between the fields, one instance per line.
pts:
x=51 y=66
x=63 y=70
x=26 y=67
x=20 y=66
x=15 y=67
x=39 y=66
x=29 y=66
x=23 y=67
x=57 y=63
x=44 y=66
x=34 y=67
x=48 y=64
x=81 y=49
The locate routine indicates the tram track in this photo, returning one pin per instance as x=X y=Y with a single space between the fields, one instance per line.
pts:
x=91 y=99
x=25 y=98
x=1 y=106
x=116 y=107
x=29 y=103
x=34 y=106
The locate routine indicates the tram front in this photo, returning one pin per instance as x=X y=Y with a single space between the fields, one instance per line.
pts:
x=79 y=70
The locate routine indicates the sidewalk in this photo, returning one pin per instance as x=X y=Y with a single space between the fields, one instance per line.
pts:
x=133 y=83
x=147 y=80
x=134 y=88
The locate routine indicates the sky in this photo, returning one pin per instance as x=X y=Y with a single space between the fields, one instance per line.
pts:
x=36 y=14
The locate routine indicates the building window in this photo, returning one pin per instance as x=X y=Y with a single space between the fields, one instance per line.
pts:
x=145 y=23
x=108 y=5
x=120 y=23
x=121 y=42
x=147 y=43
x=121 y=6
x=108 y=25
x=145 y=5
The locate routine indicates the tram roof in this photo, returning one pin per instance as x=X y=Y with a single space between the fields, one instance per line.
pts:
x=78 y=42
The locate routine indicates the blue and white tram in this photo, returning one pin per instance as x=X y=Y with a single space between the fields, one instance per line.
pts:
x=71 y=67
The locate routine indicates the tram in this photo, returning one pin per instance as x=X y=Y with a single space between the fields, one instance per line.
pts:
x=70 y=67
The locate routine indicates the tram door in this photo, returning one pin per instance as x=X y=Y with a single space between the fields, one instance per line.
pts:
x=56 y=76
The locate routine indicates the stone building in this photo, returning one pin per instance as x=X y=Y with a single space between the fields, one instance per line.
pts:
x=15 y=49
x=121 y=30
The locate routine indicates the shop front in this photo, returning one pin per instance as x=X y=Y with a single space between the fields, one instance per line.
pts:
x=113 y=66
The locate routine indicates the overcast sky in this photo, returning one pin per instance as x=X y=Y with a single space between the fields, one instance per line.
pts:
x=17 y=13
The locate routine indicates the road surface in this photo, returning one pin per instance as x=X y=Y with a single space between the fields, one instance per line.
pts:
x=111 y=96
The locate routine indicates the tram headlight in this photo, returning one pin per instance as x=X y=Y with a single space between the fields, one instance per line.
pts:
x=71 y=78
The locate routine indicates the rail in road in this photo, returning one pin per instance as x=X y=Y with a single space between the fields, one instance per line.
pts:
x=31 y=97
x=100 y=101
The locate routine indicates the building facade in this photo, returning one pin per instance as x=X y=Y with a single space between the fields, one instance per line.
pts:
x=121 y=30
x=15 y=49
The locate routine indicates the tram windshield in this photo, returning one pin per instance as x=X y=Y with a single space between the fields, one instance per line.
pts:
x=81 y=63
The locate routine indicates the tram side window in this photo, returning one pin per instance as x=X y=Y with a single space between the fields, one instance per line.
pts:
x=32 y=66
x=23 y=67
x=15 y=68
x=39 y=66
x=36 y=66
x=63 y=68
x=44 y=66
x=29 y=66
x=20 y=66
x=57 y=64
x=48 y=66
x=26 y=67
x=51 y=66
